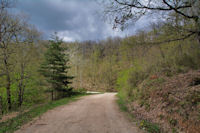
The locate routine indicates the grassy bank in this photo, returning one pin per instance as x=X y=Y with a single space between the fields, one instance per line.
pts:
x=142 y=124
x=15 y=123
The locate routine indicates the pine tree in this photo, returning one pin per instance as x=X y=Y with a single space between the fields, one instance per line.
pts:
x=55 y=69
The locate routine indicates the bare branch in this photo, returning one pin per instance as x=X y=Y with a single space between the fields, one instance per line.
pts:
x=179 y=12
x=173 y=40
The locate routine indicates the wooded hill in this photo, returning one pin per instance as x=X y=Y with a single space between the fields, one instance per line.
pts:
x=143 y=72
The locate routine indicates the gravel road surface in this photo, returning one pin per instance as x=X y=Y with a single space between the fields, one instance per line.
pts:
x=91 y=114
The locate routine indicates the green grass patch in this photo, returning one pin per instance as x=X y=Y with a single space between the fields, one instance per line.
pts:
x=15 y=123
x=149 y=127
x=122 y=104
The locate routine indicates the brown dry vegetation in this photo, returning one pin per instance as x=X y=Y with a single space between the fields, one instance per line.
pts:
x=174 y=104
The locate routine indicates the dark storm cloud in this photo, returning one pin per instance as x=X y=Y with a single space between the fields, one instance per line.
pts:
x=72 y=19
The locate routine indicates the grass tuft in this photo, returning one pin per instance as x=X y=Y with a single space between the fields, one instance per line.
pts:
x=149 y=127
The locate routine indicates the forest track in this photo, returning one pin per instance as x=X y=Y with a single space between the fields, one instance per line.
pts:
x=91 y=114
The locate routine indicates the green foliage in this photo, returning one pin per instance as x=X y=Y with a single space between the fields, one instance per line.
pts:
x=55 y=67
x=128 y=80
x=149 y=127
x=174 y=130
x=122 y=104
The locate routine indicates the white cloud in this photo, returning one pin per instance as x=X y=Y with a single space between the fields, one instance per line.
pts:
x=68 y=39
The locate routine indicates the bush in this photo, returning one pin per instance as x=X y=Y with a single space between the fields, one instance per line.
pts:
x=127 y=82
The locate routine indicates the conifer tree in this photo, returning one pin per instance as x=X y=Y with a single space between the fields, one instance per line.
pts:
x=55 y=69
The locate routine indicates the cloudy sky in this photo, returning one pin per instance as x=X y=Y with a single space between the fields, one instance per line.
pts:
x=74 y=20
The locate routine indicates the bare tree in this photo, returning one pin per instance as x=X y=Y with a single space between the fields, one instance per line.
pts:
x=25 y=41
x=9 y=28
x=124 y=12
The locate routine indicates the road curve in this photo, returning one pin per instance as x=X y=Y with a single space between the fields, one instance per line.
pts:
x=91 y=114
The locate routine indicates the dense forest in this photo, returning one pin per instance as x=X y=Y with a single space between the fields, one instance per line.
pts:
x=152 y=69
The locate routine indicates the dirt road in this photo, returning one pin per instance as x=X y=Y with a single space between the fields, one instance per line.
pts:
x=92 y=114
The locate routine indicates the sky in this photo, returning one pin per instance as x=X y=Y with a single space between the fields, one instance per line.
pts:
x=73 y=20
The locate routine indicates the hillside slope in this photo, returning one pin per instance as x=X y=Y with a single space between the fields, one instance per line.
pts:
x=171 y=102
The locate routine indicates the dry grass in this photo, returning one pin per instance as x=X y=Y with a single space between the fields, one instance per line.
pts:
x=174 y=104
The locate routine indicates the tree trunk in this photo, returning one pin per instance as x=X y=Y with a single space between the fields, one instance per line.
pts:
x=8 y=81
x=21 y=87
x=197 y=23
x=52 y=95
x=20 y=95
x=1 y=106
x=8 y=92
x=198 y=37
